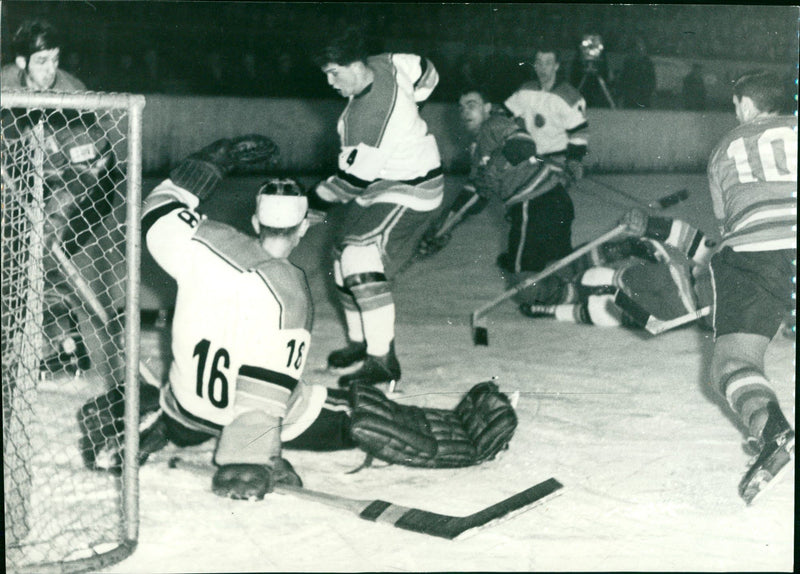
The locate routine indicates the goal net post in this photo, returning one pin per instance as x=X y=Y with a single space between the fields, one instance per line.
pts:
x=71 y=196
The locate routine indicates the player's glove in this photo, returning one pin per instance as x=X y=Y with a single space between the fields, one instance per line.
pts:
x=439 y=233
x=201 y=172
x=573 y=170
x=253 y=481
x=635 y=222
x=253 y=153
x=432 y=242
x=480 y=426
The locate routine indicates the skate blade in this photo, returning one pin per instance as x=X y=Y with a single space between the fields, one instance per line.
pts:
x=764 y=480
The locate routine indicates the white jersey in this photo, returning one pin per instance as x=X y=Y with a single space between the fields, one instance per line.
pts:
x=387 y=154
x=241 y=330
x=556 y=119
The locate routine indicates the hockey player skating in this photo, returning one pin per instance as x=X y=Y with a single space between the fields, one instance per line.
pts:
x=390 y=179
x=752 y=177
x=554 y=113
x=662 y=266
x=240 y=339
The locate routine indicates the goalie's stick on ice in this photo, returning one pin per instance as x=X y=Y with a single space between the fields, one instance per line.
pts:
x=480 y=333
x=650 y=323
x=414 y=519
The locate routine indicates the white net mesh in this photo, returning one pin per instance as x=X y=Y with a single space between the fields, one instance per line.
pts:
x=66 y=295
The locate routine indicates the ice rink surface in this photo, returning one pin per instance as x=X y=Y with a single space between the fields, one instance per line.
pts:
x=649 y=459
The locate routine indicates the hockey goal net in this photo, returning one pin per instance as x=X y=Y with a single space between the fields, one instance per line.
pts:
x=71 y=187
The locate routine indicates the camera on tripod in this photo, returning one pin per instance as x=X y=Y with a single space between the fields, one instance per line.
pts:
x=591 y=49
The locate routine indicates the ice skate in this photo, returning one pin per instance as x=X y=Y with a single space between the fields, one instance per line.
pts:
x=374 y=371
x=348 y=357
x=776 y=452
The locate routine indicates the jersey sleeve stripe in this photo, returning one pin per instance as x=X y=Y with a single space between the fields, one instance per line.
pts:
x=157 y=213
x=584 y=126
x=268 y=376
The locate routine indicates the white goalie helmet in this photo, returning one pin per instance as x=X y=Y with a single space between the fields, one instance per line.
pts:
x=281 y=203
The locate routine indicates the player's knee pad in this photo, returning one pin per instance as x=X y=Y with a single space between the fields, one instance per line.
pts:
x=364 y=276
x=356 y=259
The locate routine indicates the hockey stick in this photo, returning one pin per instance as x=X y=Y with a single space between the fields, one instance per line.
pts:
x=454 y=219
x=432 y=523
x=662 y=203
x=450 y=222
x=90 y=298
x=651 y=323
x=423 y=521
x=480 y=333
x=86 y=293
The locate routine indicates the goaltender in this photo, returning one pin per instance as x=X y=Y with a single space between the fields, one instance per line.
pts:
x=240 y=340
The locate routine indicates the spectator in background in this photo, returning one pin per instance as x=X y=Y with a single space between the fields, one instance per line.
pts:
x=37 y=49
x=151 y=80
x=637 y=80
x=213 y=77
x=694 y=89
x=251 y=78
x=123 y=75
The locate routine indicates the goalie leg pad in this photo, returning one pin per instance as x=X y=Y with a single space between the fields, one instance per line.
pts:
x=480 y=426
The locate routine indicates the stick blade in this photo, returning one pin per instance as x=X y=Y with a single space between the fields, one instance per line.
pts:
x=480 y=336
x=673 y=198
x=452 y=528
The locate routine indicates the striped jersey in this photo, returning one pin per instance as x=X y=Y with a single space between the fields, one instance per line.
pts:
x=556 y=119
x=501 y=153
x=241 y=329
x=752 y=177
x=387 y=154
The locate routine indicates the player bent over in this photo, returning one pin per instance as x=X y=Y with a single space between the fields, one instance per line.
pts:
x=662 y=266
x=752 y=177
x=504 y=164
x=240 y=339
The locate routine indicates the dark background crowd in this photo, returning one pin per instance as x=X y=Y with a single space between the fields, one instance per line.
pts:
x=263 y=48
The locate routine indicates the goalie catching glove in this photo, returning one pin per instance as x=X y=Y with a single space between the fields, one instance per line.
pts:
x=480 y=426
x=202 y=170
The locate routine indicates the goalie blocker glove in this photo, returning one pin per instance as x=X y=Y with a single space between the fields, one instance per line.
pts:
x=480 y=426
